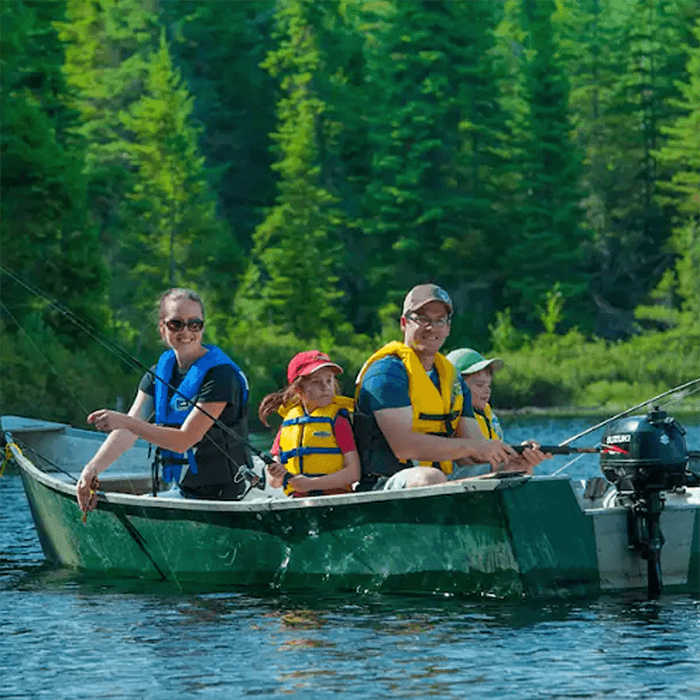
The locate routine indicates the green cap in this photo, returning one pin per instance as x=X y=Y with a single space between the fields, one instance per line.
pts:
x=468 y=361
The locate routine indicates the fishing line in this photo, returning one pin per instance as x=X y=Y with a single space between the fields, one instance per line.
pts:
x=629 y=410
x=125 y=355
x=27 y=448
x=26 y=335
x=567 y=465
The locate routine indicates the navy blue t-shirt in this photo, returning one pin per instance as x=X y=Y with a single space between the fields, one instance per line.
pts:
x=385 y=385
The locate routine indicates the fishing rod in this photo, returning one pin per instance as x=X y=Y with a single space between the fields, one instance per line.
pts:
x=557 y=449
x=125 y=355
x=627 y=412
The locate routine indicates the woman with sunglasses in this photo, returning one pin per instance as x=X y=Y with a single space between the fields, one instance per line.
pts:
x=200 y=458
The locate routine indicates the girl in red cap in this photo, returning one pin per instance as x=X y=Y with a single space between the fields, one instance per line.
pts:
x=315 y=445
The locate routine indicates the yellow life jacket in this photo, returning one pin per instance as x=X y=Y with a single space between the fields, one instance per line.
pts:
x=489 y=423
x=434 y=412
x=307 y=440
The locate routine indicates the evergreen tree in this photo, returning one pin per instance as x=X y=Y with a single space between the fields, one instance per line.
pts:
x=681 y=155
x=47 y=239
x=624 y=71
x=235 y=105
x=107 y=45
x=547 y=249
x=291 y=283
x=437 y=135
x=177 y=213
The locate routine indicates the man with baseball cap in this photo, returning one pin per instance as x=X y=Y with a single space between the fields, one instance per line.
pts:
x=413 y=413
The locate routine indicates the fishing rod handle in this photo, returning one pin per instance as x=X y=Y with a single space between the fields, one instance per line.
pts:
x=556 y=449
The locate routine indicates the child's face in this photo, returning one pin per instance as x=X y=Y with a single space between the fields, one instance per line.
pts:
x=318 y=389
x=479 y=384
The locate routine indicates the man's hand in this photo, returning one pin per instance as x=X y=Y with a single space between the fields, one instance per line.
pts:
x=495 y=452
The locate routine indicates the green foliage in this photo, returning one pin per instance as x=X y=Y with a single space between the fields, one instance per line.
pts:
x=311 y=161
x=571 y=370
x=171 y=190
x=548 y=246
x=504 y=335
x=436 y=201
x=553 y=310
x=681 y=155
x=47 y=238
x=42 y=378
x=291 y=282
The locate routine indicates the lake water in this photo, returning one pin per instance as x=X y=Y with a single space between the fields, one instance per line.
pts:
x=65 y=636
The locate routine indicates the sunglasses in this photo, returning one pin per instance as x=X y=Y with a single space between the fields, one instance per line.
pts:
x=177 y=324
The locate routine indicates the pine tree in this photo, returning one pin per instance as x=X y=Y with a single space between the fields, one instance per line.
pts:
x=549 y=240
x=438 y=133
x=681 y=154
x=218 y=47
x=176 y=210
x=47 y=239
x=291 y=283
x=624 y=71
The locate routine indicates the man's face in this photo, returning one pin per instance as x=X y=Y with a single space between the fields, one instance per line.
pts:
x=427 y=329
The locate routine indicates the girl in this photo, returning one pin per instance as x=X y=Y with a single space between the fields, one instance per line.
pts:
x=196 y=454
x=315 y=444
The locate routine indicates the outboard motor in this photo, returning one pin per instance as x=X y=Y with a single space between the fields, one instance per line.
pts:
x=644 y=456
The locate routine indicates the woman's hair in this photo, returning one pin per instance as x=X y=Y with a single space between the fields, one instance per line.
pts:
x=178 y=293
x=290 y=395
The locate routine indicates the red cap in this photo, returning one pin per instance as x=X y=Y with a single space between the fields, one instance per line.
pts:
x=304 y=363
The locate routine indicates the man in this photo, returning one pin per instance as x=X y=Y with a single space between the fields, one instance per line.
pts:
x=413 y=414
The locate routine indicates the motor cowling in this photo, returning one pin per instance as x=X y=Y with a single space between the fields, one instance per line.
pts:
x=644 y=453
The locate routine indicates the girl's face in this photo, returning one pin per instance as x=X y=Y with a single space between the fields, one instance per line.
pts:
x=479 y=384
x=318 y=389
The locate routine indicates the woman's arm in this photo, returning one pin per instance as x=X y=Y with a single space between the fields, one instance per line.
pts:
x=179 y=439
x=114 y=446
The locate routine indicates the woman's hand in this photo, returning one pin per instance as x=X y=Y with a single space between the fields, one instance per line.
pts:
x=86 y=489
x=106 y=420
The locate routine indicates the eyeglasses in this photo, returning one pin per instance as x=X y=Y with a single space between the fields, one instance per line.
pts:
x=177 y=324
x=422 y=320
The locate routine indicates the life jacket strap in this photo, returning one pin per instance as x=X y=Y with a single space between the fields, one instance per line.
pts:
x=286 y=455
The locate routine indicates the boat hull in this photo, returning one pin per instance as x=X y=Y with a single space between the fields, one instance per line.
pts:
x=517 y=536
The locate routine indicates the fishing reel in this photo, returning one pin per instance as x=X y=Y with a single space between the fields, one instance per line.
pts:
x=643 y=456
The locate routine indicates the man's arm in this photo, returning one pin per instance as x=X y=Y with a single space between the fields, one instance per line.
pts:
x=397 y=426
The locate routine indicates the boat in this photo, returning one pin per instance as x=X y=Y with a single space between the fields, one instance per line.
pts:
x=502 y=535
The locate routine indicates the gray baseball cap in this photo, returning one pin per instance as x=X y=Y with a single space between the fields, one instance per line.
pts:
x=423 y=294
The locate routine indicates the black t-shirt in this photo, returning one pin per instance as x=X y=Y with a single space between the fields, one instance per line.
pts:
x=220 y=383
x=220 y=454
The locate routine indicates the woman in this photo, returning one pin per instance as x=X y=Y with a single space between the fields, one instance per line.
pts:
x=204 y=459
x=315 y=443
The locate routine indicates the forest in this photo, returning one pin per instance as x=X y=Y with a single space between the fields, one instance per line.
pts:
x=302 y=164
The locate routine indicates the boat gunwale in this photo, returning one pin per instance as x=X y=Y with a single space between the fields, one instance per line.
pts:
x=485 y=483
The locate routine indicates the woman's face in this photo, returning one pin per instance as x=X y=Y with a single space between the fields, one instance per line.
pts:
x=318 y=389
x=185 y=313
x=479 y=384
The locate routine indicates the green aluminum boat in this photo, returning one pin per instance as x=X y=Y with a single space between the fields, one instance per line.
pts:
x=498 y=536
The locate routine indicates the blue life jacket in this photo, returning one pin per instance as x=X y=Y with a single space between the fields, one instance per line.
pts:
x=175 y=411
